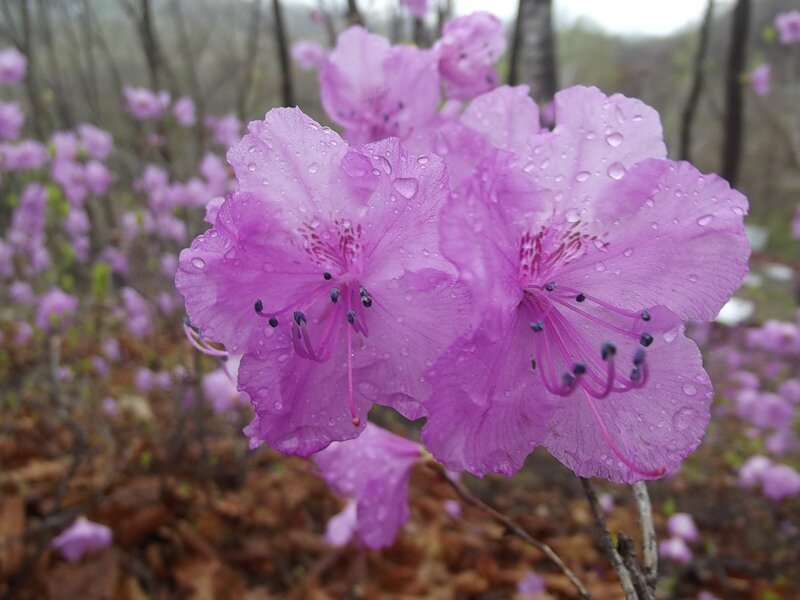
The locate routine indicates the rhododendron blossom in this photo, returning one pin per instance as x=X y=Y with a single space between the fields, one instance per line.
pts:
x=11 y=120
x=373 y=471
x=788 y=25
x=323 y=269
x=308 y=54
x=468 y=49
x=375 y=90
x=585 y=250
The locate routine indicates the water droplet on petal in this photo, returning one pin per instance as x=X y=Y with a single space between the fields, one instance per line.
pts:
x=704 y=220
x=313 y=168
x=582 y=176
x=616 y=170
x=689 y=389
x=198 y=263
x=614 y=139
x=406 y=187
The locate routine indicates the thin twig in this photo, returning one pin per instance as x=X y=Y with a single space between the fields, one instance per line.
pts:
x=648 y=531
x=512 y=527
x=627 y=550
x=605 y=540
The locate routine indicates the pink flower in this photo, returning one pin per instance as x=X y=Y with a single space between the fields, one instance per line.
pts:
x=98 y=177
x=796 y=224
x=606 y=502
x=27 y=154
x=452 y=508
x=81 y=538
x=788 y=25
x=324 y=270
x=29 y=219
x=761 y=79
x=216 y=174
x=682 y=525
x=56 y=308
x=753 y=470
x=110 y=407
x=184 y=111
x=341 y=527
x=418 y=8
x=146 y=104
x=468 y=49
x=219 y=387
x=567 y=240
x=780 y=481
x=23 y=334
x=212 y=208
x=66 y=146
x=226 y=129
x=675 y=549
x=98 y=143
x=375 y=90
x=372 y=470
x=531 y=584
x=21 y=292
x=763 y=409
x=11 y=120
x=308 y=54
x=13 y=66
x=137 y=313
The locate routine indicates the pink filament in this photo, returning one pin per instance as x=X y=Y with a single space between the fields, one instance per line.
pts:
x=607 y=437
x=350 y=399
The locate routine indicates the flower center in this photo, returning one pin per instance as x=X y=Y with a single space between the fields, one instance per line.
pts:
x=576 y=336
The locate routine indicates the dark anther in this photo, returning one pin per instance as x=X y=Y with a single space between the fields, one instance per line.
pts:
x=273 y=322
x=334 y=294
x=550 y=286
x=326 y=276
x=607 y=349
x=537 y=326
x=533 y=364
x=569 y=379
x=645 y=339
x=299 y=317
x=636 y=374
x=351 y=317
x=580 y=297
x=645 y=315
x=259 y=306
x=366 y=301
x=638 y=357
x=579 y=368
x=363 y=291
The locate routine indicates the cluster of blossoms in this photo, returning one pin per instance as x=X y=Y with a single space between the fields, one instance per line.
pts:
x=148 y=105
x=682 y=531
x=788 y=27
x=757 y=369
x=516 y=286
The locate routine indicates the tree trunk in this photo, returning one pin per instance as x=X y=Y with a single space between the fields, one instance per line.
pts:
x=698 y=81
x=533 y=53
x=250 y=53
x=287 y=90
x=734 y=92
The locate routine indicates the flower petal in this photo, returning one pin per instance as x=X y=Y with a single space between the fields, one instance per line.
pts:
x=488 y=409
x=655 y=427
x=681 y=244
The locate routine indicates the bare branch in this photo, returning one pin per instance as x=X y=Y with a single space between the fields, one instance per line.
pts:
x=287 y=90
x=605 y=541
x=533 y=54
x=512 y=527
x=648 y=531
x=627 y=551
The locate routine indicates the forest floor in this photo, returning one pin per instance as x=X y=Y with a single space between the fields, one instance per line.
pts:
x=195 y=514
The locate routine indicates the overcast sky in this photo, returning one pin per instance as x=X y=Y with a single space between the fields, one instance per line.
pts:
x=642 y=17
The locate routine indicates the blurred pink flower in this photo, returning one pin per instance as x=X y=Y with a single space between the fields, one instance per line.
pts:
x=675 y=549
x=373 y=470
x=682 y=525
x=11 y=120
x=761 y=79
x=81 y=538
x=308 y=54
x=146 y=104
x=184 y=111
x=788 y=25
x=13 y=66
